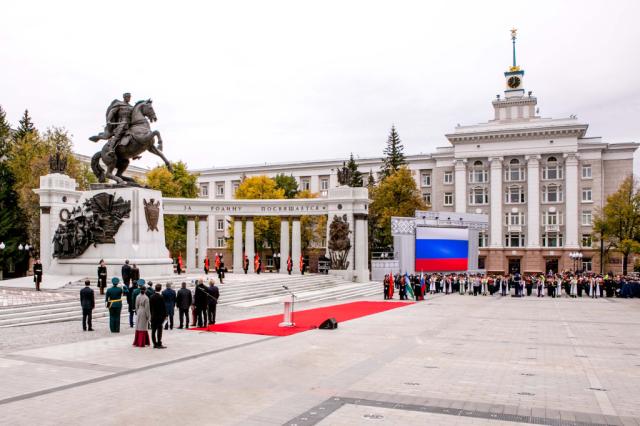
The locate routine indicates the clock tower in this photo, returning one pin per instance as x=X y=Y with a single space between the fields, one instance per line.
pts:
x=515 y=105
x=514 y=77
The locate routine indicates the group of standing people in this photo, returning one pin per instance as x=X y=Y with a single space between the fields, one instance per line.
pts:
x=539 y=285
x=149 y=306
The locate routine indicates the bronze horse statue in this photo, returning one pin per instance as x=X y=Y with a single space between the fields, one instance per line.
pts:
x=138 y=139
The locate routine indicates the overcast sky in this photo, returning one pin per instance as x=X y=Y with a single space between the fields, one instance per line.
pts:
x=241 y=82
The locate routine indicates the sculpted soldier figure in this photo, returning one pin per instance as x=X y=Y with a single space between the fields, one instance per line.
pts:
x=129 y=134
x=118 y=121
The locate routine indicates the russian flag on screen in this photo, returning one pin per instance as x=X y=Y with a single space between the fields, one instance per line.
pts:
x=441 y=249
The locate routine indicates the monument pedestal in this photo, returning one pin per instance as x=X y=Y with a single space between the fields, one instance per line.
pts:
x=139 y=238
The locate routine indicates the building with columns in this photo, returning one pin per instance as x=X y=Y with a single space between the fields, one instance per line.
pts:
x=541 y=181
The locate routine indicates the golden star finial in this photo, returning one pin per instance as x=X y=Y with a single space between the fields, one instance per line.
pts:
x=513 y=32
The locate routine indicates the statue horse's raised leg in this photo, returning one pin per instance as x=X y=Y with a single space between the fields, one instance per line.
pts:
x=158 y=150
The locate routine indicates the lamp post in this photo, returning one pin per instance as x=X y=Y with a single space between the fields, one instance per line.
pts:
x=576 y=256
x=2 y=247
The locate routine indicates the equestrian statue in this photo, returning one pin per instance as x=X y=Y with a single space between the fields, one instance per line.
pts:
x=128 y=134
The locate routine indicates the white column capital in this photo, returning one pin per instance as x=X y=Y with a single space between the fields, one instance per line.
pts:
x=533 y=160
x=496 y=162
x=571 y=158
x=460 y=164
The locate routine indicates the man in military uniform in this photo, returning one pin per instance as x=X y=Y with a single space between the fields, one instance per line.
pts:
x=118 y=120
x=113 y=300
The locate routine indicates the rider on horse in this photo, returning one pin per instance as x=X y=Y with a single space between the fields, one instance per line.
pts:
x=118 y=120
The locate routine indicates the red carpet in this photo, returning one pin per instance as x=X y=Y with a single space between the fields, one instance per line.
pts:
x=304 y=320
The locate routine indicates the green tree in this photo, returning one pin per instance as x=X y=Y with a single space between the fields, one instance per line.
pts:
x=371 y=181
x=266 y=229
x=25 y=126
x=393 y=154
x=288 y=184
x=12 y=230
x=179 y=184
x=395 y=195
x=356 y=176
x=617 y=225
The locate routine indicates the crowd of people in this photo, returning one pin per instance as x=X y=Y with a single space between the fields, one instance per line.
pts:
x=150 y=307
x=565 y=284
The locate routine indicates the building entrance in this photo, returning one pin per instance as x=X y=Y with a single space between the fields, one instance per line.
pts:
x=514 y=265
x=551 y=265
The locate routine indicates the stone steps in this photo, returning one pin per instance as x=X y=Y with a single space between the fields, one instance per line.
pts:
x=241 y=291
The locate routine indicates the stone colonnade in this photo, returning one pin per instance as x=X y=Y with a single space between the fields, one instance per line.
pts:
x=288 y=240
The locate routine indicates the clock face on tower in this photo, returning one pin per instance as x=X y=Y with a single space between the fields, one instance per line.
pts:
x=514 y=82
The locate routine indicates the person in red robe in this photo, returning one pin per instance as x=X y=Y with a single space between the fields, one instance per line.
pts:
x=257 y=263
x=289 y=265
x=302 y=264
x=179 y=266
x=206 y=265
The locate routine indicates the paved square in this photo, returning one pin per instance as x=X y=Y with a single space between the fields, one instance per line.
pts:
x=450 y=360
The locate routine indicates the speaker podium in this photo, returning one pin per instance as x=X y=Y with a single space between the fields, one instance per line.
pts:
x=287 y=318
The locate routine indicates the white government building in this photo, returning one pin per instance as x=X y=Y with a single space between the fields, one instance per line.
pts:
x=539 y=179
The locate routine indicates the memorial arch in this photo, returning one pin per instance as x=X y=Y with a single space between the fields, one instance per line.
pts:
x=344 y=202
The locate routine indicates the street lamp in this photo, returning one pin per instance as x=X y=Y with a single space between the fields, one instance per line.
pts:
x=576 y=256
x=2 y=247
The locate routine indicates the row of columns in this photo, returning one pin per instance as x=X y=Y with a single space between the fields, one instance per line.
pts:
x=533 y=200
x=194 y=261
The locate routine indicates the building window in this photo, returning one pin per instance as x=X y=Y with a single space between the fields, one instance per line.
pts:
x=448 y=198
x=483 y=240
x=234 y=187
x=220 y=189
x=587 y=241
x=552 y=170
x=514 y=239
x=426 y=196
x=514 y=195
x=586 y=195
x=552 y=218
x=586 y=218
x=552 y=193
x=551 y=240
x=481 y=261
x=478 y=174
x=220 y=225
x=305 y=184
x=220 y=242
x=426 y=179
x=586 y=171
x=324 y=183
x=514 y=172
x=204 y=190
x=479 y=196
x=448 y=178
x=514 y=218
x=587 y=264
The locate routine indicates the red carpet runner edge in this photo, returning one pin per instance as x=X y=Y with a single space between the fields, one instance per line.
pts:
x=305 y=320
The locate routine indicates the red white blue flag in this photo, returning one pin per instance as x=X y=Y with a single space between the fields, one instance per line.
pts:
x=442 y=249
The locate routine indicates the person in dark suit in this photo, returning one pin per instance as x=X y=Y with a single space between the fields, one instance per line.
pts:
x=245 y=264
x=221 y=269
x=169 y=296
x=131 y=300
x=214 y=294
x=183 y=300
x=102 y=276
x=126 y=273
x=37 y=273
x=158 y=315
x=201 y=300
x=88 y=302
x=135 y=273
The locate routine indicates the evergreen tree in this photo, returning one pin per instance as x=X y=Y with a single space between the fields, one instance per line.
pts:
x=5 y=132
x=12 y=230
x=393 y=154
x=371 y=181
x=26 y=126
x=356 y=176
